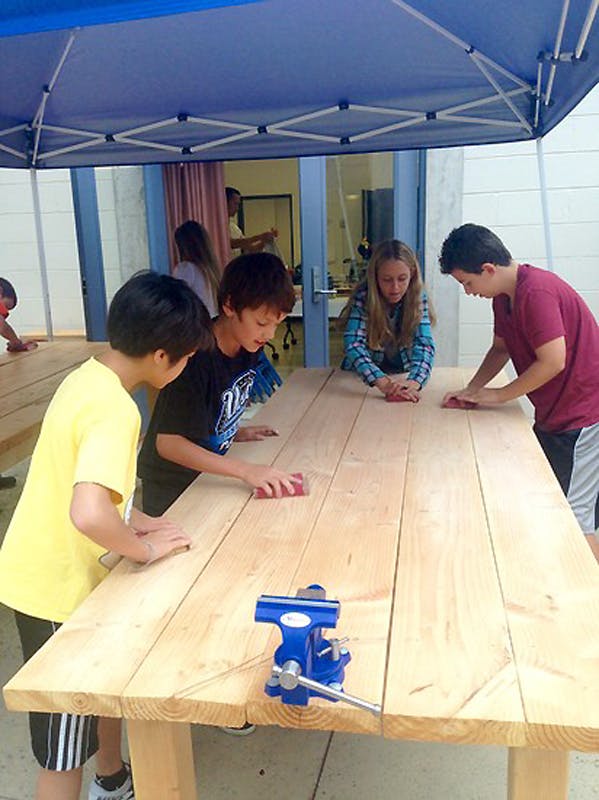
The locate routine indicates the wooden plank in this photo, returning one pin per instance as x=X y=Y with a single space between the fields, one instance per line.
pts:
x=27 y=368
x=134 y=605
x=162 y=760
x=213 y=632
x=7 y=357
x=535 y=774
x=450 y=674
x=39 y=390
x=550 y=582
x=13 y=453
x=356 y=566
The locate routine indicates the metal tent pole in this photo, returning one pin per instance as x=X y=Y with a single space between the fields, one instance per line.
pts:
x=341 y=195
x=544 y=203
x=41 y=252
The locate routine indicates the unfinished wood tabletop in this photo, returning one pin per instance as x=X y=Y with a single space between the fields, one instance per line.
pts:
x=352 y=553
x=218 y=644
x=469 y=595
x=451 y=672
x=135 y=605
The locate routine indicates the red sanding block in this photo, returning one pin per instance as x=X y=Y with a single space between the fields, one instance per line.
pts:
x=400 y=398
x=21 y=347
x=300 y=489
x=456 y=402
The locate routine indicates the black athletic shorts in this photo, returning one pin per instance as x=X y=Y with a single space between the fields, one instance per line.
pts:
x=574 y=457
x=157 y=497
x=59 y=741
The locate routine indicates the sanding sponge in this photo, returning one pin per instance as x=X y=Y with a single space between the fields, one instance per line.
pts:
x=300 y=489
x=399 y=398
x=456 y=402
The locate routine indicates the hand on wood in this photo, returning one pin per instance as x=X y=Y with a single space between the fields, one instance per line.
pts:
x=254 y=433
x=272 y=482
x=405 y=388
x=143 y=523
x=483 y=395
x=20 y=346
x=396 y=386
x=162 y=541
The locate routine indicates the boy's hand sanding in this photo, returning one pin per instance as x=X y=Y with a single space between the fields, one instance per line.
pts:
x=300 y=488
x=457 y=402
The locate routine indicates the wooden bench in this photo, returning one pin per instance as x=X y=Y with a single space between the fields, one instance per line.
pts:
x=28 y=380
x=468 y=593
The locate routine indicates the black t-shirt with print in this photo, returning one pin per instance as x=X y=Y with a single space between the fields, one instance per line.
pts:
x=204 y=404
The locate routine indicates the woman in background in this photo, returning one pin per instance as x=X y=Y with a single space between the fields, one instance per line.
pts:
x=198 y=266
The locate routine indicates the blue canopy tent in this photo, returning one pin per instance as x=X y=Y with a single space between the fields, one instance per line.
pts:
x=106 y=82
x=283 y=77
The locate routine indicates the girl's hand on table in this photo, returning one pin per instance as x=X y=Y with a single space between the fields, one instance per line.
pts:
x=405 y=387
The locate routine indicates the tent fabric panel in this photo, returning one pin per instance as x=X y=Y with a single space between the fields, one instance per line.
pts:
x=295 y=58
x=29 y=16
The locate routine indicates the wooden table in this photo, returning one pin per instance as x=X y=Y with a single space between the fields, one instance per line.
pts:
x=27 y=382
x=469 y=594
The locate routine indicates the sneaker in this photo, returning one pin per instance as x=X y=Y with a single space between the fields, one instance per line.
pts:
x=245 y=730
x=7 y=481
x=123 y=792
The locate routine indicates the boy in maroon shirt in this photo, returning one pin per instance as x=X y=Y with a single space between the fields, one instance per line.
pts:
x=552 y=338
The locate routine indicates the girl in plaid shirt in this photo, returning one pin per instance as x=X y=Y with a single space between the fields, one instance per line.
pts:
x=388 y=322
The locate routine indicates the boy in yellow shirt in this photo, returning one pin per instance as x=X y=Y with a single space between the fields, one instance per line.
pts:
x=76 y=506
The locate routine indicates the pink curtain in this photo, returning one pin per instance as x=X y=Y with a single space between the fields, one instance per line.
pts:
x=197 y=191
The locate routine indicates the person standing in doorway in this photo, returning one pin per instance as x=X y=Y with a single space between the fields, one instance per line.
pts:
x=240 y=243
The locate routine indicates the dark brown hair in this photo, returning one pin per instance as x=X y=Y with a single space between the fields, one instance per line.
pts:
x=256 y=279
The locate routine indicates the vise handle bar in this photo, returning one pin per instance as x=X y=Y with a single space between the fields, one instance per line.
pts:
x=290 y=676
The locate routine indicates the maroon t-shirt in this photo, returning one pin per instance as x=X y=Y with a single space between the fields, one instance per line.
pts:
x=545 y=308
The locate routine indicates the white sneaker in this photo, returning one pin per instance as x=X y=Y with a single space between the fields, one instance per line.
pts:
x=123 y=792
x=245 y=729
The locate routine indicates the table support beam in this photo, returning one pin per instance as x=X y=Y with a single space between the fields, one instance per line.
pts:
x=162 y=760
x=533 y=774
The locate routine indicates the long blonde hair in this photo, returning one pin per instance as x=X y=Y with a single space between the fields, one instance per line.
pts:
x=194 y=245
x=380 y=332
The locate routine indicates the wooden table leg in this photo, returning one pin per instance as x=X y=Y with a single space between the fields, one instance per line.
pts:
x=535 y=774
x=162 y=760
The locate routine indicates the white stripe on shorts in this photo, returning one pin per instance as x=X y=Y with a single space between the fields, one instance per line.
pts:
x=584 y=480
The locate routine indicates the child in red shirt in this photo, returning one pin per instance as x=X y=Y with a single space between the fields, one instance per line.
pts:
x=552 y=338
x=8 y=300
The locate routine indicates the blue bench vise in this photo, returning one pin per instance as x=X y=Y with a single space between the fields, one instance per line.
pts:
x=305 y=663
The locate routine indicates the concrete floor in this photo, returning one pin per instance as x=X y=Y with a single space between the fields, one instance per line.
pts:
x=295 y=765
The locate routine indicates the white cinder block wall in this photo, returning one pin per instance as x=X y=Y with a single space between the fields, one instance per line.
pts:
x=19 y=255
x=501 y=191
x=122 y=227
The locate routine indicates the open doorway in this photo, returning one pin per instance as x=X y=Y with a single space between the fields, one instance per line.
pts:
x=261 y=212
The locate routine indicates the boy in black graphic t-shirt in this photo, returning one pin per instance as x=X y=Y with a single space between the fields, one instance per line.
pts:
x=197 y=417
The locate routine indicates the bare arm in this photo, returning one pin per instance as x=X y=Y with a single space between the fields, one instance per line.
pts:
x=144 y=523
x=8 y=333
x=96 y=516
x=180 y=450
x=550 y=361
x=495 y=360
x=254 y=244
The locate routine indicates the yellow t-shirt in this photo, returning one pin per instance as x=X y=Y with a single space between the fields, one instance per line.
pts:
x=89 y=435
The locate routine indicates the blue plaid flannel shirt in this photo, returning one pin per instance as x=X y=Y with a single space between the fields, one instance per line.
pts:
x=416 y=360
